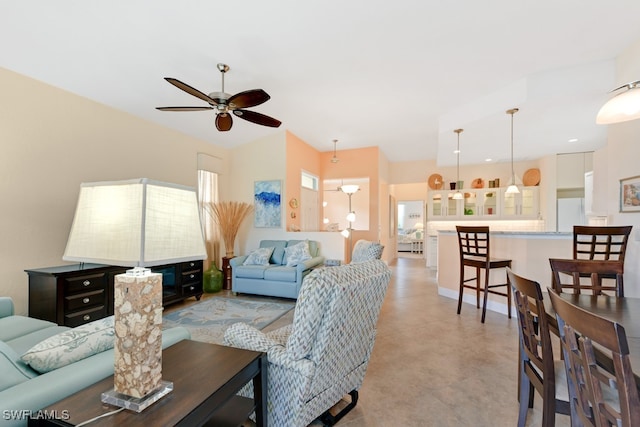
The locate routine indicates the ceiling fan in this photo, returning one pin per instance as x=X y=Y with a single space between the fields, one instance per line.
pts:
x=224 y=103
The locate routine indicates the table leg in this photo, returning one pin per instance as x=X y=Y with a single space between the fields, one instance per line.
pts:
x=260 y=393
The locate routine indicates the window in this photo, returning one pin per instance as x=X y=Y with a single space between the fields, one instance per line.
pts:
x=309 y=181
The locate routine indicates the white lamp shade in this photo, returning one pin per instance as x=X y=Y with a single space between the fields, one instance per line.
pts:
x=457 y=196
x=351 y=216
x=135 y=223
x=512 y=189
x=621 y=108
x=345 y=233
x=350 y=188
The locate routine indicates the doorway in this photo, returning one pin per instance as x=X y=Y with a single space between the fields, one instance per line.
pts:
x=410 y=229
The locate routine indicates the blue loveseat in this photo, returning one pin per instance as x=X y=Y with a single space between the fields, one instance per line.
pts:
x=275 y=278
x=22 y=389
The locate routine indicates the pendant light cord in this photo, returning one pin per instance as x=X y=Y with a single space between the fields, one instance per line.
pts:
x=513 y=174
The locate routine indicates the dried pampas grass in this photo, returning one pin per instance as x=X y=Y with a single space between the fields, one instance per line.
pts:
x=229 y=216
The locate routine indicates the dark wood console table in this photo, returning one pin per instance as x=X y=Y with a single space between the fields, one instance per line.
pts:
x=206 y=378
x=72 y=295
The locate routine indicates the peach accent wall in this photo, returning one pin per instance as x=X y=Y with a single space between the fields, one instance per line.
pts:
x=300 y=156
x=358 y=163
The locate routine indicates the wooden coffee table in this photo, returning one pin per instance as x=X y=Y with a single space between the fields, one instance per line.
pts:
x=206 y=378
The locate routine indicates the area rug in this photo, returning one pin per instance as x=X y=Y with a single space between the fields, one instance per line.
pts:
x=208 y=319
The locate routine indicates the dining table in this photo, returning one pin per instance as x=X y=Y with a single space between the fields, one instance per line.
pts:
x=625 y=311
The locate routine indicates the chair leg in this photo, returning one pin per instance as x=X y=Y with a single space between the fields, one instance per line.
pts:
x=525 y=397
x=509 y=297
x=486 y=293
x=330 y=420
x=478 y=287
x=461 y=287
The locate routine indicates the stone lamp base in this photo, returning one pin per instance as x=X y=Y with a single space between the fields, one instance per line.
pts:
x=138 y=341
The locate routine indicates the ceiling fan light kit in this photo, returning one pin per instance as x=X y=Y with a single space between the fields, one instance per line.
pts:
x=623 y=107
x=224 y=103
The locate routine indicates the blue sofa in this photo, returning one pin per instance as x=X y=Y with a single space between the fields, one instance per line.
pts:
x=274 y=279
x=22 y=389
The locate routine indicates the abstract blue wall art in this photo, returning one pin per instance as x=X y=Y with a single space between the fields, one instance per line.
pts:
x=267 y=195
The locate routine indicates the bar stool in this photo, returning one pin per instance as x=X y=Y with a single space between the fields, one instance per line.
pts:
x=475 y=252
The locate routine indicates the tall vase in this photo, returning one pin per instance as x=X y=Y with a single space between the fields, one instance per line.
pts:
x=212 y=279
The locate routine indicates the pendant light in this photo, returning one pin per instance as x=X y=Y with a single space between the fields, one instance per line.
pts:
x=623 y=107
x=513 y=188
x=458 y=195
x=334 y=159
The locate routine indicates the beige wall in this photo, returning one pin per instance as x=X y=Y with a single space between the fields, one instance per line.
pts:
x=50 y=142
x=621 y=161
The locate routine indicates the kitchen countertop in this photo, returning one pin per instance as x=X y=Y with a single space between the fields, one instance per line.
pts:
x=527 y=234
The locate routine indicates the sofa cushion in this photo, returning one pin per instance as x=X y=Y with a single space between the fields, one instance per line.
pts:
x=260 y=256
x=15 y=326
x=25 y=342
x=277 y=257
x=14 y=371
x=71 y=346
x=298 y=252
x=281 y=274
x=250 y=271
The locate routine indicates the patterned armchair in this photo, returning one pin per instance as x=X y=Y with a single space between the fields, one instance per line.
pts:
x=324 y=354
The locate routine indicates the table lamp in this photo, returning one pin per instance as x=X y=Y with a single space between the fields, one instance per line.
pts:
x=136 y=223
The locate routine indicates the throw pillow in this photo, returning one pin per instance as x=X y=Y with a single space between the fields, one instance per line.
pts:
x=259 y=256
x=366 y=251
x=72 y=345
x=297 y=253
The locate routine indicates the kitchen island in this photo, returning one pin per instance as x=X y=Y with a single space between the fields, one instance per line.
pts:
x=529 y=251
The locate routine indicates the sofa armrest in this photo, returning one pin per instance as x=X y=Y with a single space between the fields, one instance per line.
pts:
x=241 y=335
x=6 y=307
x=236 y=261
x=309 y=263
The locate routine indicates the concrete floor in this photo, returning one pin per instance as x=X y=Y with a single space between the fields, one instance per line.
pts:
x=431 y=367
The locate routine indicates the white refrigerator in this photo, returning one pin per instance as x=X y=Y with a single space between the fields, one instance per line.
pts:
x=570 y=213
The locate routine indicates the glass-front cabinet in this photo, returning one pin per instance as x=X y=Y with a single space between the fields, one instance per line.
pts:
x=524 y=204
x=441 y=205
x=483 y=203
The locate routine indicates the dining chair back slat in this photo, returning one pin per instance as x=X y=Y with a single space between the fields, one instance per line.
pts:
x=600 y=243
x=587 y=276
x=597 y=397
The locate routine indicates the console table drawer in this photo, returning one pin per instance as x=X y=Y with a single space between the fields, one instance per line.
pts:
x=84 y=300
x=81 y=283
x=81 y=317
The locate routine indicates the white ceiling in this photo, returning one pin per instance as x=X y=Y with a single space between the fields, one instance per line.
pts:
x=400 y=75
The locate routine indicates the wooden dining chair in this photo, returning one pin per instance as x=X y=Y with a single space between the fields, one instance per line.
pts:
x=537 y=368
x=601 y=243
x=569 y=274
x=597 y=397
x=474 y=248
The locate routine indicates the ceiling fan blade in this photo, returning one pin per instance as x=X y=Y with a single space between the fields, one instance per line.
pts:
x=224 y=122
x=257 y=118
x=183 y=108
x=190 y=90
x=249 y=98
